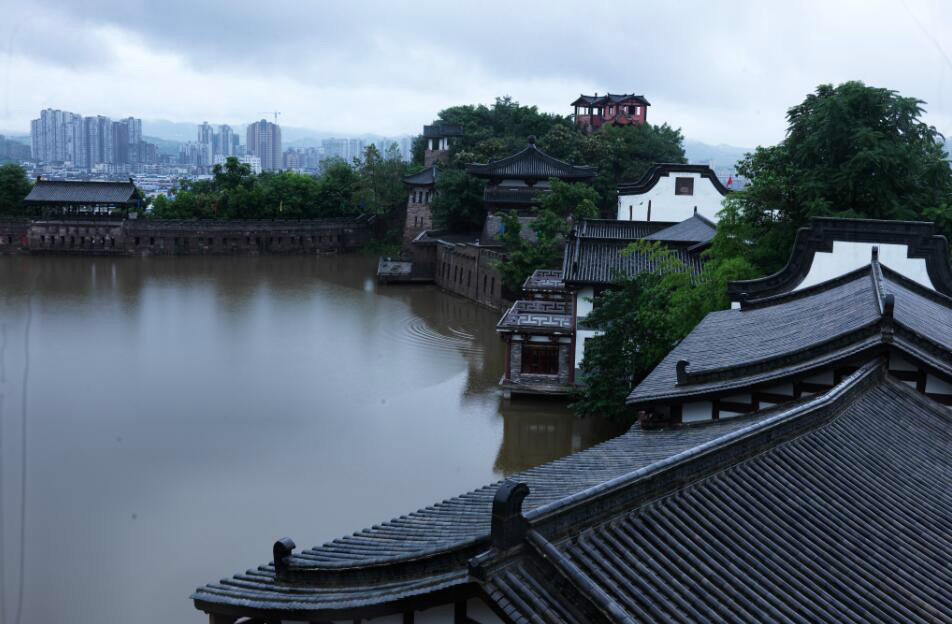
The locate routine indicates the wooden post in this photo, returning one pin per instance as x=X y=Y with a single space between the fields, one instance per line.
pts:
x=459 y=613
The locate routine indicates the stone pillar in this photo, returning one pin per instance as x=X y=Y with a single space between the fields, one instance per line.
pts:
x=566 y=363
x=515 y=359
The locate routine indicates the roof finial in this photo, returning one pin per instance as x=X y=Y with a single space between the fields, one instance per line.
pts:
x=875 y=253
x=532 y=139
x=681 y=369
x=508 y=524
x=282 y=550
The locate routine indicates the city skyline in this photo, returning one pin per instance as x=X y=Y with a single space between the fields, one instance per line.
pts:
x=727 y=75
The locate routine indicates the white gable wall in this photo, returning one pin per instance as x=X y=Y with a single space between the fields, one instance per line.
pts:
x=847 y=256
x=666 y=206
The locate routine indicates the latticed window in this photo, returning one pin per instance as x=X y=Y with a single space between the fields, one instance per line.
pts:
x=540 y=359
x=684 y=186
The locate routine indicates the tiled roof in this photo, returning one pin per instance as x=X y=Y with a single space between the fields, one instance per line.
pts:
x=622 y=230
x=81 y=192
x=790 y=333
x=544 y=280
x=426 y=551
x=423 y=178
x=530 y=163
x=600 y=261
x=538 y=315
x=610 y=98
x=695 y=229
x=839 y=511
x=442 y=129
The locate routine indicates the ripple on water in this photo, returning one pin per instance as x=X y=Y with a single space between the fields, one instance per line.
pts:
x=414 y=331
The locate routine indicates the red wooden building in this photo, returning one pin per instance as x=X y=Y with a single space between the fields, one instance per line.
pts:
x=593 y=111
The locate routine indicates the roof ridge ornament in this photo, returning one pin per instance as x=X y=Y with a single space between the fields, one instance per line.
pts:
x=682 y=371
x=282 y=549
x=508 y=526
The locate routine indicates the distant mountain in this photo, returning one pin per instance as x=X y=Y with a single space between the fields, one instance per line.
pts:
x=166 y=147
x=291 y=136
x=718 y=157
x=17 y=138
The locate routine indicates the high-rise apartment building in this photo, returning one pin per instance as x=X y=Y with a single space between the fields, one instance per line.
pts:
x=264 y=141
x=61 y=136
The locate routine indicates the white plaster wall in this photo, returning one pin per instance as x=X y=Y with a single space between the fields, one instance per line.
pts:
x=580 y=336
x=666 y=206
x=583 y=306
x=848 y=256
x=938 y=386
x=696 y=412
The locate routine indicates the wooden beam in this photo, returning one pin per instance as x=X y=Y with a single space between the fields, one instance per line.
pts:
x=809 y=386
x=944 y=399
x=408 y=617
x=733 y=406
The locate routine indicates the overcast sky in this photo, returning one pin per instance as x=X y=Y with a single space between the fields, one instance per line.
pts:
x=724 y=72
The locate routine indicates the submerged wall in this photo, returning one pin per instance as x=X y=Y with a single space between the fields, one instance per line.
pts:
x=183 y=237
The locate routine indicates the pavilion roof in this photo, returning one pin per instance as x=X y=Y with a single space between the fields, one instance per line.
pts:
x=81 y=192
x=427 y=177
x=530 y=163
x=442 y=129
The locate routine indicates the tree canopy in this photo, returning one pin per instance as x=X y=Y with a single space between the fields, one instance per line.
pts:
x=851 y=151
x=372 y=185
x=564 y=204
x=14 y=187
x=618 y=153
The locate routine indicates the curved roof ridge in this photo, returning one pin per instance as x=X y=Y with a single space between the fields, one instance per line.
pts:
x=530 y=152
x=839 y=280
x=819 y=236
x=650 y=178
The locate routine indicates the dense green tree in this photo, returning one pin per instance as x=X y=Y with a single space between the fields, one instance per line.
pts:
x=642 y=317
x=624 y=154
x=372 y=185
x=14 y=187
x=564 y=204
x=458 y=203
x=522 y=257
x=850 y=150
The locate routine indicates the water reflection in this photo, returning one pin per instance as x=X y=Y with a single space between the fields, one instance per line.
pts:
x=185 y=412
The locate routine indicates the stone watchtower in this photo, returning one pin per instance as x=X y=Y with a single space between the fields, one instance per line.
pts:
x=438 y=142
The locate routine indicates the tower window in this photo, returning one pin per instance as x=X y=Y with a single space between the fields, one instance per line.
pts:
x=684 y=186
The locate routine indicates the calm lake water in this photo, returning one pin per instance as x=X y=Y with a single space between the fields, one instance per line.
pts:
x=183 y=413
